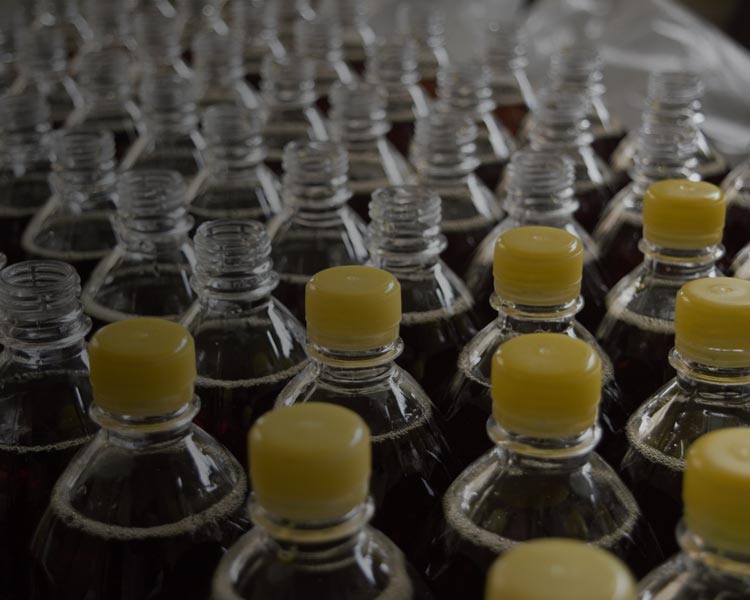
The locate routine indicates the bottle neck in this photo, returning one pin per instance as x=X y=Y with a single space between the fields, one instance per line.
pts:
x=560 y=134
x=720 y=384
x=235 y=162
x=680 y=264
x=524 y=318
x=22 y=149
x=730 y=571
x=356 y=365
x=174 y=121
x=534 y=206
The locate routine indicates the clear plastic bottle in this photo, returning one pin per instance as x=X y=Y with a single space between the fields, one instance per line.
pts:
x=711 y=391
x=196 y=16
x=235 y=183
x=505 y=57
x=437 y=320
x=353 y=316
x=149 y=506
x=573 y=569
x=76 y=223
x=543 y=478
x=287 y=13
x=148 y=272
x=682 y=228
x=157 y=31
x=220 y=71
x=25 y=166
x=65 y=16
x=537 y=284
x=736 y=188
x=538 y=190
x=257 y=23
x=674 y=97
x=713 y=536
x=44 y=400
x=111 y=27
x=234 y=279
x=43 y=64
x=444 y=153
x=107 y=98
x=560 y=126
x=310 y=469
x=318 y=229
x=171 y=139
x=465 y=88
x=289 y=97
x=425 y=24
x=357 y=35
x=392 y=65
x=359 y=123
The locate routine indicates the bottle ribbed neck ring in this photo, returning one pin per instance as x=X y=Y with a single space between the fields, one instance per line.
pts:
x=104 y=73
x=232 y=127
x=288 y=80
x=315 y=174
x=358 y=112
x=675 y=89
x=561 y=109
x=218 y=56
x=320 y=39
x=466 y=87
x=539 y=174
x=445 y=140
x=43 y=52
x=579 y=65
x=661 y=143
x=503 y=47
x=168 y=100
x=152 y=201
x=157 y=31
x=393 y=60
x=27 y=111
x=80 y=149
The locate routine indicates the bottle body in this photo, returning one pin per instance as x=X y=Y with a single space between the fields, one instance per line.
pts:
x=736 y=188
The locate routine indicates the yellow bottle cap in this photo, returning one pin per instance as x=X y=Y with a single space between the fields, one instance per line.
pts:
x=716 y=489
x=538 y=266
x=142 y=367
x=683 y=215
x=310 y=461
x=712 y=322
x=353 y=308
x=560 y=569
x=546 y=385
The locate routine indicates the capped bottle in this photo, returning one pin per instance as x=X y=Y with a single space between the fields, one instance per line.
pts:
x=171 y=138
x=444 y=153
x=76 y=223
x=353 y=316
x=543 y=478
x=357 y=35
x=560 y=126
x=682 y=228
x=148 y=271
x=157 y=31
x=317 y=229
x=234 y=280
x=426 y=26
x=235 y=184
x=465 y=88
x=148 y=507
x=573 y=569
x=310 y=468
x=107 y=98
x=736 y=188
x=711 y=390
x=359 y=122
x=665 y=151
x=713 y=535
x=392 y=66
x=289 y=96
x=44 y=400
x=538 y=190
x=537 y=275
x=405 y=239
x=256 y=22
x=25 y=165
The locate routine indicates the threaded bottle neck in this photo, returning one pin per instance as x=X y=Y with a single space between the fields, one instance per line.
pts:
x=157 y=31
x=539 y=181
x=169 y=105
x=43 y=53
x=288 y=81
x=560 y=118
x=41 y=308
x=393 y=63
x=427 y=27
x=405 y=227
x=358 y=113
x=578 y=67
x=255 y=20
x=233 y=258
x=315 y=175
x=110 y=22
x=234 y=139
x=672 y=94
x=445 y=146
x=319 y=39
x=217 y=59
x=25 y=129
x=664 y=150
x=466 y=87
x=503 y=51
x=104 y=79
x=152 y=203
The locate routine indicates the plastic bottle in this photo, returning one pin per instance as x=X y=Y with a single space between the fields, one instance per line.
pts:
x=353 y=316
x=682 y=228
x=157 y=31
x=195 y=17
x=357 y=35
x=405 y=240
x=63 y=15
x=736 y=188
x=248 y=344
x=75 y=224
x=573 y=569
x=148 y=272
x=111 y=26
x=257 y=23
x=24 y=166
x=44 y=400
x=171 y=139
x=543 y=478
x=538 y=190
x=392 y=66
x=289 y=97
x=318 y=229
x=444 y=153
x=426 y=26
x=235 y=183
x=665 y=151
x=359 y=122
x=713 y=536
x=537 y=275
x=465 y=88
x=148 y=507
x=711 y=391
x=287 y=13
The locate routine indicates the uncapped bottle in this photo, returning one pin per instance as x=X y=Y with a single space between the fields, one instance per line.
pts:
x=257 y=24
x=157 y=31
x=426 y=26
x=736 y=188
x=682 y=228
x=248 y=344
x=357 y=35
x=353 y=316
x=148 y=507
x=714 y=535
x=310 y=468
x=287 y=13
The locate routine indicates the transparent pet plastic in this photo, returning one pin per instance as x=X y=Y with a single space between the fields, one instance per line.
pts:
x=357 y=35
x=257 y=23
x=736 y=188
x=426 y=25
x=157 y=31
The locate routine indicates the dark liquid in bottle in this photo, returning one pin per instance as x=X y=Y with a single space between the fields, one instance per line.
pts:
x=401 y=134
x=253 y=79
x=604 y=144
x=22 y=196
x=490 y=172
x=511 y=115
x=462 y=242
x=292 y=295
x=186 y=161
x=737 y=227
x=620 y=253
x=592 y=199
x=430 y=86
x=360 y=203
